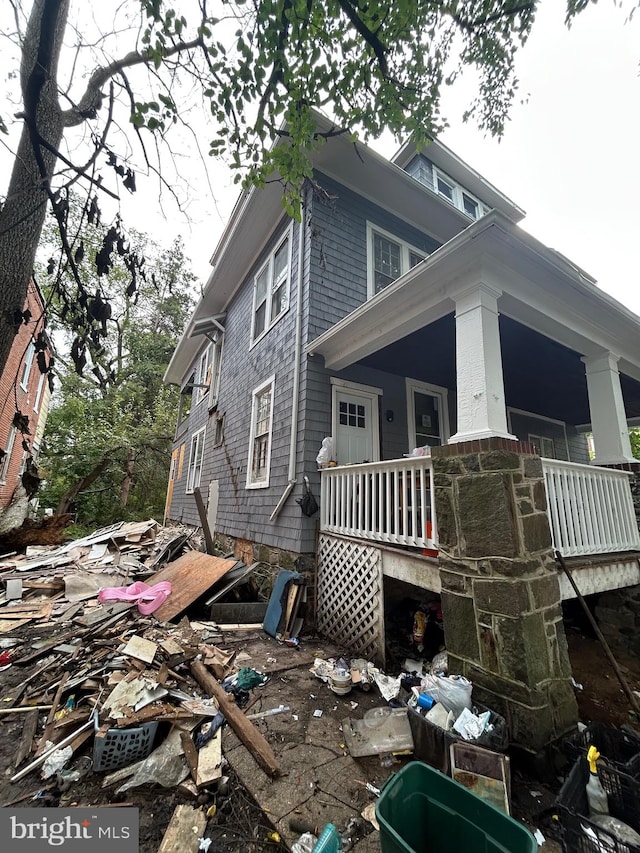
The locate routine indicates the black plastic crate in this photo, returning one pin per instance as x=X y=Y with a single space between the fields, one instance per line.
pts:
x=431 y=743
x=624 y=803
x=616 y=746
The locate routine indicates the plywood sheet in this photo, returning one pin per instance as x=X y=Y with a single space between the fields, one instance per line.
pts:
x=190 y=577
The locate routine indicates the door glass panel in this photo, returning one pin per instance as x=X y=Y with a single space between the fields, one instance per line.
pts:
x=427 y=415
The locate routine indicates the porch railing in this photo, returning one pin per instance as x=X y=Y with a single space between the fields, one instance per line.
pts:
x=389 y=501
x=590 y=509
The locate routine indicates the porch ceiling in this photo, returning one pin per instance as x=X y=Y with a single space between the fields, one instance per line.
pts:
x=540 y=289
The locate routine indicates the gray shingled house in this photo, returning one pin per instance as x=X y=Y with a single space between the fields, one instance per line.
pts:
x=413 y=320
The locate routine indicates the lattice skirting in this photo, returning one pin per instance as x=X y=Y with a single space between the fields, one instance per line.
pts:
x=350 y=603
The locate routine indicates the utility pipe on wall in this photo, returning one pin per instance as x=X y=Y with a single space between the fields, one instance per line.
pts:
x=295 y=393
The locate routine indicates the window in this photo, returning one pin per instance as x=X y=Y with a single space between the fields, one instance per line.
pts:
x=219 y=433
x=271 y=289
x=427 y=414
x=388 y=258
x=216 y=364
x=459 y=197
x=260 y=439
x=424 y=171
x=41 y=382
x=186 y=399
x=196 y=454
x=6 y=459
x=545 y=447
x=203 y=375
x=26 y=367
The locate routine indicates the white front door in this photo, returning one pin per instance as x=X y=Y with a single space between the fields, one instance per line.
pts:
x=355 y=424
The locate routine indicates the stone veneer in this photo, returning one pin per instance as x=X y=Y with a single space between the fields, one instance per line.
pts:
x=500 y=593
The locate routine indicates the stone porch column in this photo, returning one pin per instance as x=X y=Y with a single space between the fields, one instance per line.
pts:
x=500 y=593
x=480 y=385
x=608 y=417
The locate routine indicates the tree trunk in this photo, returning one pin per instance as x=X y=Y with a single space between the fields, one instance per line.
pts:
x=127 y=482
x=80 y=486
x=22 y=216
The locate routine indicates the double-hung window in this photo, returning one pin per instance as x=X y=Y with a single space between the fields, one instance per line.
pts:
x=6 y=459
x=387 y=258
x=271 y=288
x=26 y=367
x=457 y=196
x=260 y=439
x=196 y=454
x=203 y=374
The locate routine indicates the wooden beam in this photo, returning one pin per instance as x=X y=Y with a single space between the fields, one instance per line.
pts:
x=255 y=742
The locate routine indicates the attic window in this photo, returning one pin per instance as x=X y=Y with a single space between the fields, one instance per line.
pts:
x=424 y=171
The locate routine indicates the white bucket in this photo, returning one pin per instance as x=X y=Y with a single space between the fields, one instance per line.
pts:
x=340 y=681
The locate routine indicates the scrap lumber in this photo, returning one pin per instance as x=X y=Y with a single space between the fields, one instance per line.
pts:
x=209 y=767
x=255 y=742
x=190 y=753
x=29 y=729
x=140 y=648
x=184 y=832
x=190 y=576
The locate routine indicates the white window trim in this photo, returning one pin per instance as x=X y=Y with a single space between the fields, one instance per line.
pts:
x=269 y=323
x=28 y=363
x=405 y=250
x=216 y=366
x=6 y=460
x=204 y=365
x=458 y=191
x=38 y=400
x=196 y=448
x=262 y=484
x=435 y=391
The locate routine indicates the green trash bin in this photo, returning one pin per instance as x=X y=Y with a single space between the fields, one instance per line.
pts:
x=420 y=809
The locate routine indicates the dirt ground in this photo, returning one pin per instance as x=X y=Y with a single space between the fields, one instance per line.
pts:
x=239 y=824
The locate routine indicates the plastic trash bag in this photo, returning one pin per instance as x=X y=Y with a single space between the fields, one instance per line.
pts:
x=325 y=454
x=165 y=766
x=452 y=691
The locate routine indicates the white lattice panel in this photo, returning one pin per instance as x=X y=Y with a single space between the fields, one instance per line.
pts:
x=350 y=596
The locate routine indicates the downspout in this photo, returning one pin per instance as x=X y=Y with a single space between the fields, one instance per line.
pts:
x=295 y=404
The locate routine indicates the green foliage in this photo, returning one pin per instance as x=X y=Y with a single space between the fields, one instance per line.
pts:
x=117 y=418
x=634 y=435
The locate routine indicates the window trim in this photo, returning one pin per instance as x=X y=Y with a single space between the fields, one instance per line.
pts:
x=6 y=461
x=459 y=193
x=202 y=374
x=405 y=250
x=26 y=368
x=196 y=449
x=438 y=391
x=268 y=263
x=39 y=390
x=217 y=347
x=257 y=392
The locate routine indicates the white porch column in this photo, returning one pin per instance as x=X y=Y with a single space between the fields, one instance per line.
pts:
x=608 y=417
x=481 y=405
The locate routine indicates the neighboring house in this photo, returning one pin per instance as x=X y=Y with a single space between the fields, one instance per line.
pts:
x=409 y=309
x=24 y=389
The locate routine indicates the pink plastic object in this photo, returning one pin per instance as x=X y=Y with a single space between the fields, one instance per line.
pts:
x=149 y=598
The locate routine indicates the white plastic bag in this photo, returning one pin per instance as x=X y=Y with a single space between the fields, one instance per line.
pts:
x=452 y=691
x=325 y=454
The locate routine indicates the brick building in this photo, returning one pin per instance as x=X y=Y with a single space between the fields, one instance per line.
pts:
x=24 y=389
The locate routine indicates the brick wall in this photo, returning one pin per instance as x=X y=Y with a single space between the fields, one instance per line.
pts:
x=18 y=393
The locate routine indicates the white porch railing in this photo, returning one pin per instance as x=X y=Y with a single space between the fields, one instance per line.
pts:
x=590 y=509
x=388 y=501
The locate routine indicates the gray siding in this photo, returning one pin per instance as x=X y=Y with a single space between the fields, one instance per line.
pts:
x=243 y=512
x=338 y=280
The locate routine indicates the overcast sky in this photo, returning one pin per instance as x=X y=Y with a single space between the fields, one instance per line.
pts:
x=570 y=156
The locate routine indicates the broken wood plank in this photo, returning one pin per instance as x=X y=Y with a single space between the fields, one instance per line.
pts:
x=184 y=832
x=210 y=761
x=140 y=648
x=190 y=753
x=254 y=740
x=170 y=646
x=28 y=733
x=191 y=576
